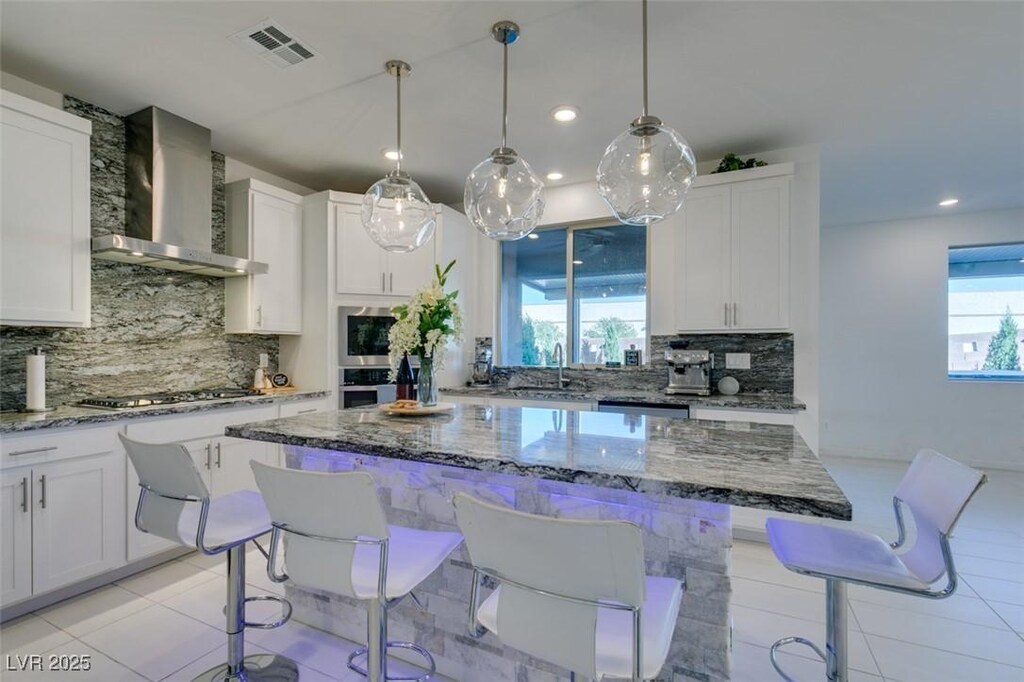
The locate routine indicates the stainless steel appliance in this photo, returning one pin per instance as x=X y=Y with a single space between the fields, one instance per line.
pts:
x=689 y=371
x=127 y=402
x=363 y=336
x=644 y=409
x=483 y=364
x=359 y=386
x=168 y=200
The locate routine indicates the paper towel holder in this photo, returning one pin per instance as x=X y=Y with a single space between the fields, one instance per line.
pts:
x=36 y=351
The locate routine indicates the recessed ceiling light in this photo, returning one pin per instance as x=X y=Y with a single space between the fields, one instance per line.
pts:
x=564 y=113
x=555 y=175
x=577 y=262
x=390 y=154
x=533 y=235
x=949 y=202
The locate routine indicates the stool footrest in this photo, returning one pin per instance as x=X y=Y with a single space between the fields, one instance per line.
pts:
x=286 y=610
x=785 y=641
x=362 y=652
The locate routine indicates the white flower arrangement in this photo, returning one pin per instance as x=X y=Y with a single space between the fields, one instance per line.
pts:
x=426 y=324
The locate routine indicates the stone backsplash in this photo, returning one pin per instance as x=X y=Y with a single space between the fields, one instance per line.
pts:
x=152 y=330
x=771 y=366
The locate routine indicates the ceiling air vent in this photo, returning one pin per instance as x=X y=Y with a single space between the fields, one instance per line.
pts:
x=274 y=44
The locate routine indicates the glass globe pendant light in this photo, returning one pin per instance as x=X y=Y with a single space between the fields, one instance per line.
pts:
x=646 y=171
x=396 y=212
x=503 y=194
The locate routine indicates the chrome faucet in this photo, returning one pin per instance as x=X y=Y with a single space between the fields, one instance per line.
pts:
x=560 y=359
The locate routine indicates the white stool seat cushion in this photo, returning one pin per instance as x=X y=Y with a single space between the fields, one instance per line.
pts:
x=845 y=553
x=233 y=518
x=412 y=556
x=615 y=629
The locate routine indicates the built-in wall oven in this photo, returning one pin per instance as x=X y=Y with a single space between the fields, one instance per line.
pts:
x=363 y=355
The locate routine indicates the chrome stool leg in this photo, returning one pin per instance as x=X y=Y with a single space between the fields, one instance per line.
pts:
x=835 y=655
x=240 y=668
x=375 y=668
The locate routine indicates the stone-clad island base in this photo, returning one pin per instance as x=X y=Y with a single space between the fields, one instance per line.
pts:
x=682 y=537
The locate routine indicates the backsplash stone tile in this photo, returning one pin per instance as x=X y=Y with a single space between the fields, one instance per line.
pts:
x=771 y=366
x=152 y=330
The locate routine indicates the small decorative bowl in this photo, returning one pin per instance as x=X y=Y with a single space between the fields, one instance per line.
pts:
x=728 y=386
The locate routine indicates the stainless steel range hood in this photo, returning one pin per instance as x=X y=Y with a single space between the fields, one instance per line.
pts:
x=168 y=200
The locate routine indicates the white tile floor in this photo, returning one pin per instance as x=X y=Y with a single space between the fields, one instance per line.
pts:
x=166 y=623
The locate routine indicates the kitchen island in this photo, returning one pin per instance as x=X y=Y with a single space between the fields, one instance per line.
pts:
x=676 y=478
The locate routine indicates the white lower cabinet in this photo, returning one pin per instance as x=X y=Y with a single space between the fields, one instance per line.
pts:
x=578 y=406
x=61 y=521
x=15 y=535
x=743 y=416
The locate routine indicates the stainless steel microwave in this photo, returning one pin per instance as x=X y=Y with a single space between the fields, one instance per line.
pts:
x=363 y=336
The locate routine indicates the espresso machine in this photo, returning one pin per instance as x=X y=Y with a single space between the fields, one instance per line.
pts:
x=689 y=371
x=483 y=360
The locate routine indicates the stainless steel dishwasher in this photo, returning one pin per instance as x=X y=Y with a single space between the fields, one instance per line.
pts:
x=645 y=409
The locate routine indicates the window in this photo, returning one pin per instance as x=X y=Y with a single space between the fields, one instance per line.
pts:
x=986 y=312
x=583 y=287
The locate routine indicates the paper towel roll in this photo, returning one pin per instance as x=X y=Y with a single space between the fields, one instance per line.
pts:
x=35 y=380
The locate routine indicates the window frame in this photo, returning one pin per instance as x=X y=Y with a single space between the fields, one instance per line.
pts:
x=571 y=339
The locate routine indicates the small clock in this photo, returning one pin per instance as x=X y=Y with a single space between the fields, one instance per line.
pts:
x=280 y=380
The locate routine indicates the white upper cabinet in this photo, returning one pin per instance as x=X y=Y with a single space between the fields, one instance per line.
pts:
x=44 y=220
x=265 y=225
x=732 y=253
x=365 y=268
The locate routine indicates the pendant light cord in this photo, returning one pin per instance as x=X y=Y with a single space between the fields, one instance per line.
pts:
x=504 y=95
x=398 y=124
x=644 y=2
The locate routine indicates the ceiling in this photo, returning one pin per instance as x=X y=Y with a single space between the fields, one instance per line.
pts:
x=911 y=102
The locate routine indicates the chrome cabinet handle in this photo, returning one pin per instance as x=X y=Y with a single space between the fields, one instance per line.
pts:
x=33 y=451
x=734 y=316
x=218 y=455
x=209 y=455
x=312 y=409
x=24 y=494
x=391 y=278
x=382 y=287
x=259 y=316
x=42 y=491
x=726 y=307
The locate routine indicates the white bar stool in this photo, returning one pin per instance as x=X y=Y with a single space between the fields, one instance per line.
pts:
x=936 y=489
x=339 y=541
x=175 y=504
x=573 y=593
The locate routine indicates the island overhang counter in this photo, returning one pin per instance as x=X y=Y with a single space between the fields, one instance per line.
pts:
x=675 y=478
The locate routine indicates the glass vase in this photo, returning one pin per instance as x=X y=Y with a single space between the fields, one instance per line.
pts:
x=427 y=388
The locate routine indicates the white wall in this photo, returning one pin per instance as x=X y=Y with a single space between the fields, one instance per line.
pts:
x=883 y=336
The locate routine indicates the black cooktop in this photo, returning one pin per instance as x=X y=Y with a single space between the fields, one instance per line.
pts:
x=126 y=402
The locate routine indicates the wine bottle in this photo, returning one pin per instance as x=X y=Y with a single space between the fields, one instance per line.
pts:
x=406 y=384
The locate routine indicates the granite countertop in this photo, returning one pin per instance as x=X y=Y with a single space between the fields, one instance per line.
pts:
x=748 y=465
x=73 y=415
x=745 y=401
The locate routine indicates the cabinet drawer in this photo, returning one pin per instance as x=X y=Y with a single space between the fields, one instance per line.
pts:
x=193 y=426
x=45 y=446
x=305 y=407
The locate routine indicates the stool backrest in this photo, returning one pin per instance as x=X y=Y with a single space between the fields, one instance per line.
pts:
x=334 y=507
x=585 y=560
x=936 y=488
x=167 y=470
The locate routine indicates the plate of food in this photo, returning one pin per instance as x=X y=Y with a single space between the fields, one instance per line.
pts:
x=412 y=408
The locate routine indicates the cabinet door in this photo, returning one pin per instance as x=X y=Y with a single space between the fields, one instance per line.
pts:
x=277 y=240
x=661 y=278
x=15 y=535
x=360 y=262
x=702 y=264
x=78 y=523
x=408 y=272
x=760 y=254
x=231 y=470
x=44 y=222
